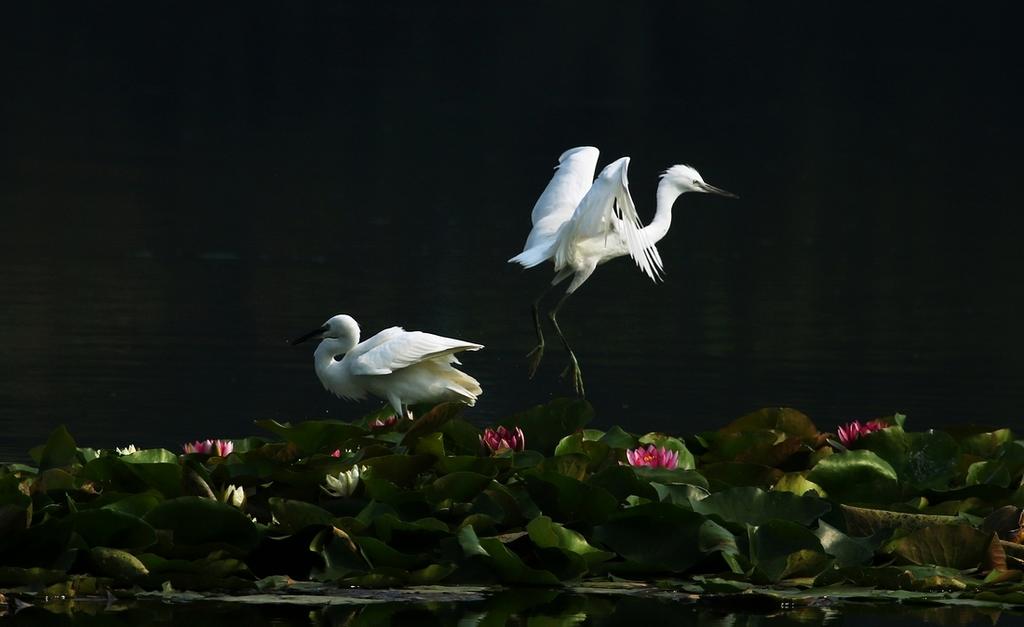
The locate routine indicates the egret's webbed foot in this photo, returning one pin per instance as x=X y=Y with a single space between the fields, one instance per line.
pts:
x=573 y=370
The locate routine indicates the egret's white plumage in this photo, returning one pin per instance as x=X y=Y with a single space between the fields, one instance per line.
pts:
x=399 y=366
x=580 y=223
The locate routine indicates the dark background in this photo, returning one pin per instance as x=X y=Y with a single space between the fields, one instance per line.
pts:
x=185 y=187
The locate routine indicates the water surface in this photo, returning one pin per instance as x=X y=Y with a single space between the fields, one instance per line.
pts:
x=181 y=195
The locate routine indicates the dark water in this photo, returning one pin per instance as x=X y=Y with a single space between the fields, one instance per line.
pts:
x=536 y=608
x=182 y=190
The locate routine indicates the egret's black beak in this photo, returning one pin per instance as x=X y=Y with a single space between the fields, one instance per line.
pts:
x=711 y=189
x=310 y=335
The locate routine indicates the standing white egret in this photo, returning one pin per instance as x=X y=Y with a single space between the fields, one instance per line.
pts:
x=399 y=366
x=580 y=223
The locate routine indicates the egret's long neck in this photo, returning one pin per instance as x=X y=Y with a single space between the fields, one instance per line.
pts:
x=327 y=350
x=666 y=196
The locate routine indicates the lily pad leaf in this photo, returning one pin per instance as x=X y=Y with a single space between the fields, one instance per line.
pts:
x=312 y=436
x=755 y=506
x=784 y=419
x=567 y=498
x=430 y=423
x=59 y=451
x=955 y=546
x=545 y=533
x=460 y=487
x=617 y=438
x=510 y=567
x=194 y=520
x=847 y=550
x=293 y=515
x=781 y=548
x=663 y=537
x=861 y=521
x=859 y=476
x=109 y=528
x=921 y=461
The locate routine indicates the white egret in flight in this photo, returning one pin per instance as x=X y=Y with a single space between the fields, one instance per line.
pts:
x=399 y=366
x=580 y=223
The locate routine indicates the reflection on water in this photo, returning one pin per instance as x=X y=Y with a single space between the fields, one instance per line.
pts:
x=522 y=607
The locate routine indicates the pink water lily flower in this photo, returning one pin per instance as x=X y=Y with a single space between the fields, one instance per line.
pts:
x=336 y=452
x=377 y=423
x=850 y=432
x=503 y=438
x=220 y=448
x=652 y=457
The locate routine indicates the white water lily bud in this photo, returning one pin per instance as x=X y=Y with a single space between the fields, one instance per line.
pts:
x=128 y=450
x=234 y=496
x=344 y=484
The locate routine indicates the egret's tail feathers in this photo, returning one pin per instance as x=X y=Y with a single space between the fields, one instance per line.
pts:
x=533 y=256
x=464 y=386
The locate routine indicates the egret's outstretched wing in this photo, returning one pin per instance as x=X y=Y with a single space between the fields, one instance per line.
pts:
x=573 y=176
x=402 y=349
x=608 y=207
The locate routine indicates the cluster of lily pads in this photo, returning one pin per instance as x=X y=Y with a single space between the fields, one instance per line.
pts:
x=542 y=500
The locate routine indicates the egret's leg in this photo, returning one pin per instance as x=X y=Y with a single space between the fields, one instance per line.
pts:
x=537 y=354
x=574 y=366
x=538 y=351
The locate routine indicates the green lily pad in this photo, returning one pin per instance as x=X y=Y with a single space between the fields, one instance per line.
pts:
x=379 y=554
x=398 y=469
x=955 y=546
x=856 y=477
x=135 y=504
x=311 y=436
x=109 y=528
x=783 y=419
x=1003 y=470
x=117 y=564
x=430 y=422
x=546 y=534
x=621 y=481
x=663 y=537
x=721 y=475
x=755 y=506
x=781 y=549
x=510 y=567
x=847 y=550
x=921 y=461
x=616 y=438
x=797 y=483
x=861 y=521
x=59 y=451
x=569 y=499
x=672 y=477
x=460 y=487
x=293 y=515
x=196 y=521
